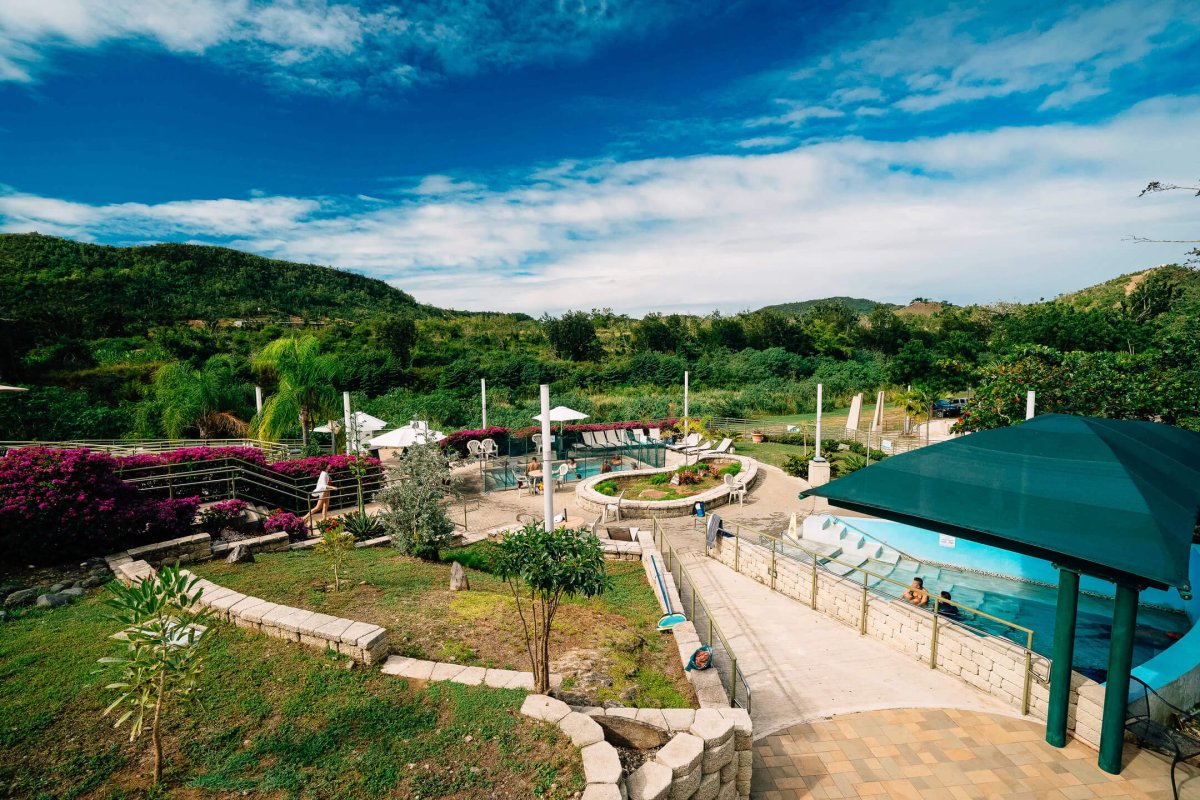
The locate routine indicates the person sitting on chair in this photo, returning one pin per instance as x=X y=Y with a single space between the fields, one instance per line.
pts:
x=916 y=593
x=947 y=609
x=533 y=472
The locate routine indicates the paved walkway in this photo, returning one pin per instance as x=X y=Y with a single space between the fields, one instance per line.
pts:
x=946 y=754
x=802 y=665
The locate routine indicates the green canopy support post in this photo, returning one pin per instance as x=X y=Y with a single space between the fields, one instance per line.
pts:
x=1116 y=690
x=1063 y=658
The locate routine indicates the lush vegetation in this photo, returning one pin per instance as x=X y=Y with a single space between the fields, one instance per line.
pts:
x=277 y=720
x=140 y=354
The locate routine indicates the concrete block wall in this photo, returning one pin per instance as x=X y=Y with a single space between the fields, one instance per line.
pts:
x=707 y=757
x=185 y=550
x=990 y=664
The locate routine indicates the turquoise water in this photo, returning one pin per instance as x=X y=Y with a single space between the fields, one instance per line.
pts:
x=505 y=477
x=1022 y=601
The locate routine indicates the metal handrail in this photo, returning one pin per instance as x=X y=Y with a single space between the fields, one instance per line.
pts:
x=671 y=558
x=938 y=618
x=276 y=451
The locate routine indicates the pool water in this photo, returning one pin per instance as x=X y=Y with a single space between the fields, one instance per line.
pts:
x=1034 y=607
x=505 y=477
x=1026 y=602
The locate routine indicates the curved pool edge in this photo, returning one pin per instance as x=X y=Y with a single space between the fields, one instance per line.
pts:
x=588 y=499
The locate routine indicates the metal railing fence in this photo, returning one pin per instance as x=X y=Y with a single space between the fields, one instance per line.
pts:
x=872 y=584
x=890 y=442
x=274 y=451
x=724 y=658
x=504 y=471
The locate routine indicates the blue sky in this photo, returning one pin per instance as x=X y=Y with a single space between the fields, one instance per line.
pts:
x=665 y=155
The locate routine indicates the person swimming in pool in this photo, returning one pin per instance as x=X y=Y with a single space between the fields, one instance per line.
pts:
x=573 y=469
x=947 y=609
x=916 y=593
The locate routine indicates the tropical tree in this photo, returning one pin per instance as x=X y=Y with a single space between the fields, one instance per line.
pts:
x=210 y=399
x=541 y=568
x=917 y=402
x=305 y=391
x=163 y=652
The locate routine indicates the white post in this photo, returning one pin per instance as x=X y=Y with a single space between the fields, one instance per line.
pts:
x=346 y=411
x=258 y=399
x=547 y=476
x=685 y=403
x=817 y=443
x=1029 y=403
x=483 y=393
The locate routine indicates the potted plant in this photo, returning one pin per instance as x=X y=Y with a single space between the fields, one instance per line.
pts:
x=756 y=436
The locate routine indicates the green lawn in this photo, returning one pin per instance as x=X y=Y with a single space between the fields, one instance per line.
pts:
x=278 y=720
x=412 y=599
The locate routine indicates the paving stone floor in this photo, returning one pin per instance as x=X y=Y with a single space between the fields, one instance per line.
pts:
x=946 y=754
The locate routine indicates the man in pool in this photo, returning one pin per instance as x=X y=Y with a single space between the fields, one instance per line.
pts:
x=916 y=593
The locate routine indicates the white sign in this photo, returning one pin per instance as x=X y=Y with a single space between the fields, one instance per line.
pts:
x=886 y=444
x=946 y=541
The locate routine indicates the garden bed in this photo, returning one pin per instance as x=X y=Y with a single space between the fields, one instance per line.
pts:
x=277 y=721
x=594 y=493
x=607 y=649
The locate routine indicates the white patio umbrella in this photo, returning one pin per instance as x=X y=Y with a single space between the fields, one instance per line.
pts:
x=362 y=420
x=406 y=436
x=562 y=414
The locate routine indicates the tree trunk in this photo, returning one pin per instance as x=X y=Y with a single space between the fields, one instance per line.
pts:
x=304 y=427
x=155 y=738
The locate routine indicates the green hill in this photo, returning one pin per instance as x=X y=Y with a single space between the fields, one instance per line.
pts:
x=66 y=288
x=1111 y=293
x=859 y=305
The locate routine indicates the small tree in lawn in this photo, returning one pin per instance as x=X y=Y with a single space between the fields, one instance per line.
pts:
x=542 y=567
x=336 y=543
x=416 y=516
x=163 y=652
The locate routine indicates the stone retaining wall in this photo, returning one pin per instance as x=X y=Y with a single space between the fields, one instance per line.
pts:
x=591 y=501
x=707 y=757
x=186 y=549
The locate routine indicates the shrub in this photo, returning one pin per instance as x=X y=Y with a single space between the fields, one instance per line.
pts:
x=286 y=522
x=334 y=546
x=416 y=511
x=608 y=488
x=362 y=525
x=796 y=466
x=58 y=505
x=659 y=479
x=224 y=515
x=730 y=469
x=850 y=463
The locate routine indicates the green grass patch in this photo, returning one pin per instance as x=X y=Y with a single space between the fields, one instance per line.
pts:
x=277 y=719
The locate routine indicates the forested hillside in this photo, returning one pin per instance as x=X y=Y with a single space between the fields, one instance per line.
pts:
x=859 y=305
x=145 y=342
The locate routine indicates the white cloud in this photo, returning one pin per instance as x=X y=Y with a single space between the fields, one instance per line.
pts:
x=764 y=142
x=325 y=46
x=1015 y=213
x=932 y=59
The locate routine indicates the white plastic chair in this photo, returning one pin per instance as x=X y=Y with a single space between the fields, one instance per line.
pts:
x=560 y=475
x=537 y=442
x=473 y=448
x=488 y=448
x=613 y=508
x=737 y=489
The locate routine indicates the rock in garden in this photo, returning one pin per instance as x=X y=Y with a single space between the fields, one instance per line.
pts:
x=53 y=600
x=72 y=592
x=458 y=578
x=91 y=582
x=625 y=732
x=5 y=591
x=240 y=554
x=21 y=597
x=58 y=587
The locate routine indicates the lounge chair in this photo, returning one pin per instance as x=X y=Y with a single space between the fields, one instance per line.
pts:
x=703 y=447
x=723 y=447
x=737 y=489
x=689 y=441
x=592 y=440
x=613 y=508
x=614 y=438
x=655 y=434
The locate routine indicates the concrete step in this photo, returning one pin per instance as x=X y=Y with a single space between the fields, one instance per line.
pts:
x=845 y=564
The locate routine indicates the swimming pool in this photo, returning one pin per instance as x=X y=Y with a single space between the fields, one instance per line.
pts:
x=1020 y=596
x=504 y=476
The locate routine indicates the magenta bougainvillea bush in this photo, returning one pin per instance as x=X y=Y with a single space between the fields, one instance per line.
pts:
x=311 y=467
x=57 y=505
x=286 y=522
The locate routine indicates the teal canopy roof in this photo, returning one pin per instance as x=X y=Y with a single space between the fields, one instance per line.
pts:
x=1117 y=499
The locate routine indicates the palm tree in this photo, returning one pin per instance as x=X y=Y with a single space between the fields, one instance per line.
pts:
x=209 y=399
x=917 y=402
x=305 y=391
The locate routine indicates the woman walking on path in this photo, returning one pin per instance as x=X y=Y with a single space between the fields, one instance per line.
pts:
x=322 y=492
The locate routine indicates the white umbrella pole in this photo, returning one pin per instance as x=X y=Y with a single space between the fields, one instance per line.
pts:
x=685 y=404
x=258 y=399
x=483 y=393
x=1030 y=402
x=346 y=412
x=547 y=478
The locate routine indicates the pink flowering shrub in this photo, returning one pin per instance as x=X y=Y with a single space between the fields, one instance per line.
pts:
x=222 y=516
x=66 y=504
x=288 y=523
x=311 y=467
x=457 y=441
